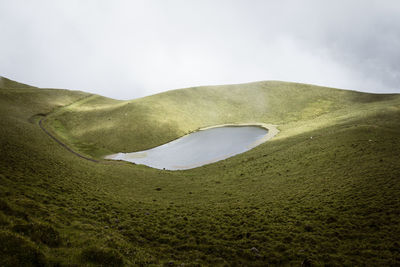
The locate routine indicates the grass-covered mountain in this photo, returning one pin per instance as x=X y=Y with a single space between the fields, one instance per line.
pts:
x=325 y=189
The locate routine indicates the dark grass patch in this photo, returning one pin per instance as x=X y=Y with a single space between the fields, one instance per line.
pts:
x=102 y=256
x=9 y=210
x=16 y=250
x=4 y=219
x=39 y=232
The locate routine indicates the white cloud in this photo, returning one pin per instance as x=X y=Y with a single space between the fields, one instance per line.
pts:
x=128 y=49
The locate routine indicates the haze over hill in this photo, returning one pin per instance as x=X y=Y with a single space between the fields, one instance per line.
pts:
x=325 y=190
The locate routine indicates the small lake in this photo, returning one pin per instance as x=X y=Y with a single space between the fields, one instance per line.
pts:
x=198 y=148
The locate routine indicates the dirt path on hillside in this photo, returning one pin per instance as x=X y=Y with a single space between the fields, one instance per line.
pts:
x=52 y=136
x=63 y=144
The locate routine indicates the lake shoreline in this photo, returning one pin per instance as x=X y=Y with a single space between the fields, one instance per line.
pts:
x=149 y=157
x=271 y=128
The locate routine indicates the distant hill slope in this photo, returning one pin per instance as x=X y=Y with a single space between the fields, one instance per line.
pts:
x=126 y=126
x=10 y=84
x=332 y=199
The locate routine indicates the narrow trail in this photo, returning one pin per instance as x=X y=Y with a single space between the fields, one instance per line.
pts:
x=63 y=144
x=40 y=123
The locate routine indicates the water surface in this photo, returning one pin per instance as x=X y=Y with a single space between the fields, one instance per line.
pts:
x=198 y=148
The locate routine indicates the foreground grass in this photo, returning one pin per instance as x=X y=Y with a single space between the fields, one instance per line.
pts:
x=331 y=199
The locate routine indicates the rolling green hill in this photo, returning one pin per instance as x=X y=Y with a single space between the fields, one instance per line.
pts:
x=331 y=199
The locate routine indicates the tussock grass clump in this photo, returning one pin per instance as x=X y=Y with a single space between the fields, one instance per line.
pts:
x=39 y=232
x=9 y=210
x=4 y=219
x=102 y=256
x=5 y=207
x=16 y=250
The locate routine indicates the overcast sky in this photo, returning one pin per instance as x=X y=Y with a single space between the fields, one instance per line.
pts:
x=129 y=49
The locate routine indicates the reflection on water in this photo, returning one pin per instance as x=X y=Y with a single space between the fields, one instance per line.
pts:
x=198 y=148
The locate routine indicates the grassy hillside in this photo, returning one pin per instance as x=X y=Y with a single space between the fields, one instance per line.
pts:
x=331 y=199
x=99 y=122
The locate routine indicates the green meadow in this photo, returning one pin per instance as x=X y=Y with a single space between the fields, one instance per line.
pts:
x=324 y=191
